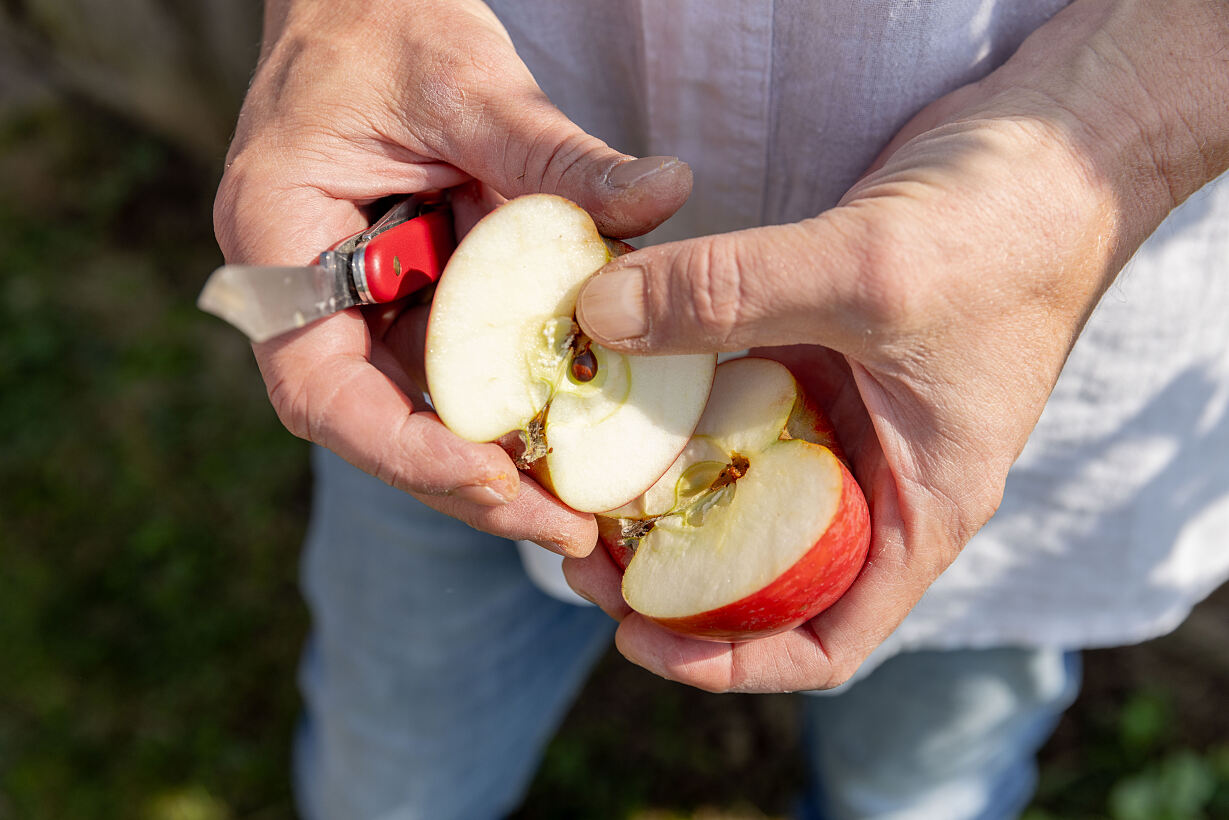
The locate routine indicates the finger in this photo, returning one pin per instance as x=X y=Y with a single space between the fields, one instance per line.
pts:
x=325 y=389
x=321 y=380
x=785 y=284
x=811 y=657
x=535 y=515
x=260 y=221
x=789 y=662
x=504 y=131
x=406 y=341
x=403 y=378
x=471 y=202
x=597 y=579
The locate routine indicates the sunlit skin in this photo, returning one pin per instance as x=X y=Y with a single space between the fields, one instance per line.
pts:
x=929 y=313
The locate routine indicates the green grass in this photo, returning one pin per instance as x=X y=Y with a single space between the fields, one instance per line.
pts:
x=151 y=505
x=151 y=508
x=1135 y=763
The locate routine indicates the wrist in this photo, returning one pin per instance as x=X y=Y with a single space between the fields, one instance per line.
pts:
x=1184 y=69
x=365 y=20
x=334 y=19
x=1141 y=86
x=1173 y=72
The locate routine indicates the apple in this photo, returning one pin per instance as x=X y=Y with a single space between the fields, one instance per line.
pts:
x=757 y=526
x=506 y=360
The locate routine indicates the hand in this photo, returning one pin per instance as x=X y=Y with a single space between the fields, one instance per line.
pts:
x=932 y=310
x=354 y=100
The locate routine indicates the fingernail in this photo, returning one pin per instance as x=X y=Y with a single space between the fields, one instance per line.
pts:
x=584 y=594
x=635 y=657
x=612 y=305
x=483 y=494
x=551 y=546
x=634 y=171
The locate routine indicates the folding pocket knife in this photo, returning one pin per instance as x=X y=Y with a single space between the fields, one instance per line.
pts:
x=403 y=252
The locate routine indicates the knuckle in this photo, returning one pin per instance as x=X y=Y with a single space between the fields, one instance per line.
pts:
x=446 y=85
x=891 y=293
x=839 y=674
x=304 y=394
x=390 y=471
x=248 y=193
x=393 y=464
x=554 y=157
x=454 y=88
x=714 y=290
x=290 y=403
x=225 y=210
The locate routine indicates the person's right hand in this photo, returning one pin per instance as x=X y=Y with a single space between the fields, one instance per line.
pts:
x=355 y=100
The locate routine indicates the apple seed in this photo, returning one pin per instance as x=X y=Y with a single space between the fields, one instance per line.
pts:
x=584 y=363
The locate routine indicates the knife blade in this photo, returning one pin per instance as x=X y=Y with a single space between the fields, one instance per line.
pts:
x=404 y=251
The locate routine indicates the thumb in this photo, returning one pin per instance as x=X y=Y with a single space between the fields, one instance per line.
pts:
x=785 y=284
x=518 y=142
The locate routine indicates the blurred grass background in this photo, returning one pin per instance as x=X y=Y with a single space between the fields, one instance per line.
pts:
x=151 y=506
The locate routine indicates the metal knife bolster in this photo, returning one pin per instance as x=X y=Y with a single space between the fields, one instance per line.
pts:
x=339 y=269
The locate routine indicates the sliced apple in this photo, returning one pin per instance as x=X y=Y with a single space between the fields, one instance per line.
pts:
x=504 y=355
x=758 y=525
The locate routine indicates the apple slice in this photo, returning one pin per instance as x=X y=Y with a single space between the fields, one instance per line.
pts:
x=506 y=361
x=758 y=525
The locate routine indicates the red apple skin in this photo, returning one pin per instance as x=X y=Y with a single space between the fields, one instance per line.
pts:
x=608 y=534
x=809 y=423
x=811 y=585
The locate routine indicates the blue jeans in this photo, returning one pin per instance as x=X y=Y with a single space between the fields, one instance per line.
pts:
x=436 y=673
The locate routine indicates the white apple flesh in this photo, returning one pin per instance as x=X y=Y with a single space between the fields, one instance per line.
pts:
x=504 y=355
x=758 y=525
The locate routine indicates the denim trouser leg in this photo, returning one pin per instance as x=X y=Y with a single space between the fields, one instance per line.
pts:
x=436 y=671
x=943 y=735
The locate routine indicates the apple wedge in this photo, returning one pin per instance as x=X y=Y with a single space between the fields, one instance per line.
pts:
x=757 y=526
x=506 y=361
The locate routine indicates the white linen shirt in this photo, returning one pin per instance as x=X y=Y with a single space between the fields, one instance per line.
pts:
x=1115 y=519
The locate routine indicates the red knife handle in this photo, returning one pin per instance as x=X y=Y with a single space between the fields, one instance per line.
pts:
x=396 y=262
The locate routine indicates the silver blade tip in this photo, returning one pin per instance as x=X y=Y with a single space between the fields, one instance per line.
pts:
x=228 y=296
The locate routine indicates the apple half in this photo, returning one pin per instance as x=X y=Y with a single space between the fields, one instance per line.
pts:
x=758 y=525
x=506 y=361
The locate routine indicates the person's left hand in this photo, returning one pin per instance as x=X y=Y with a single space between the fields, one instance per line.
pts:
x=932 y=310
